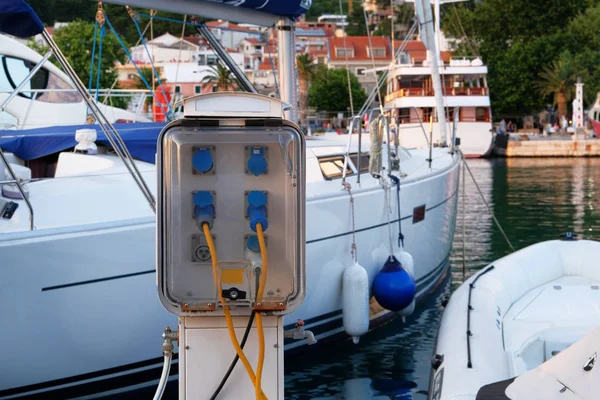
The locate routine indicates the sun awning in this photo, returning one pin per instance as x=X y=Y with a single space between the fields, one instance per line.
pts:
x=17 y=18
x=258 y=12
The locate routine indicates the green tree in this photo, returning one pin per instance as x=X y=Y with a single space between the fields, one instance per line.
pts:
x=221 y=77
x=516 y=39
x=558 y=80
x=356 y=22
x=76 y=41
x=306 y=71
x=51 y=11
x=329 y=90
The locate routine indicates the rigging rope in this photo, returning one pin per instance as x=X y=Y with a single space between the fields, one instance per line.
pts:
x=131 y=60
x=348 y=187
x=373 y=57
x=180 y=49
x=347 y=64
x=486 y=203
x=93 y=56
x=388 y=210
x=272 y=65
x=396 y=181
x=162 y=89
x=99 y=68
x=116 y=81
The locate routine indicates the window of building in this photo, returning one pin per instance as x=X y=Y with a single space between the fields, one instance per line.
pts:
x=214 y=88
x=177 y=89
x=360 y=71
x=197 y=89
x=341 y=52
x=377 y=51
x=211 y=59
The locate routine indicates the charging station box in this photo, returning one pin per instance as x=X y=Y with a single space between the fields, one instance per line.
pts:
x=231 y=162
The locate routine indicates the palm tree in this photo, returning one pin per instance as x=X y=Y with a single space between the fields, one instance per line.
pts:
x=221 y=77
x=138 y=83
x=306 y=71
x=558 y=80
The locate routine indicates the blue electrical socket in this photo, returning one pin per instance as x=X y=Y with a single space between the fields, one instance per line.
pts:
x=203 y=160
x=256 y=209
x=256 y=160
x=204 y=208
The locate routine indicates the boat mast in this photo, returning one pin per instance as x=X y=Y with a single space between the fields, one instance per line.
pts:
x=425 y=18
x=287 y=66
x=438 y=38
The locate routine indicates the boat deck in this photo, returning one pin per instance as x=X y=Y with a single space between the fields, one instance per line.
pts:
x=99 y=190
x=549 y=319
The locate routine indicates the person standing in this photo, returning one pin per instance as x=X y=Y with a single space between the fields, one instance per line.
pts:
x=502 y=127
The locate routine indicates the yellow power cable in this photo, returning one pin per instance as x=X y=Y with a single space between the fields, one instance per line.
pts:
x=232 y=335
x=259 y=295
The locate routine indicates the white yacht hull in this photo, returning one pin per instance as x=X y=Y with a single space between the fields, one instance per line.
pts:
x=79 y=304
x=475 y=137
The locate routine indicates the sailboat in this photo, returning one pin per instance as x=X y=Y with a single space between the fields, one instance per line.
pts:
x=78 y=244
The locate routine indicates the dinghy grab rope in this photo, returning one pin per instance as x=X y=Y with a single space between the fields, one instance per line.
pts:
x=469 y=309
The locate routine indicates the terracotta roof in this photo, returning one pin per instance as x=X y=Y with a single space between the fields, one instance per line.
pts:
x=266 y=65
x=254 y=41
x=359 y=44
x=411 y=45
x=418 y=52
x=228 y=25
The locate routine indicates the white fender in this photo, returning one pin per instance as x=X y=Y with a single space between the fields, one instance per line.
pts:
x=355 y=301
x=408 y=264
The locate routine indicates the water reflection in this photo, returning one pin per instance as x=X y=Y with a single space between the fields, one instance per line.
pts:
x=533 y=199
x=391 y=362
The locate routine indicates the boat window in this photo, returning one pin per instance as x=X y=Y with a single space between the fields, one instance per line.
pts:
x=364 y=161
x=333 y=167
x=15 y=70
x=481 y=114
x=59 y=91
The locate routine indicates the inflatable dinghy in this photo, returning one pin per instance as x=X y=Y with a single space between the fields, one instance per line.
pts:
x=520 y=313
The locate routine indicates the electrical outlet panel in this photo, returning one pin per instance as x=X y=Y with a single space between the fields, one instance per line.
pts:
x=232 y=163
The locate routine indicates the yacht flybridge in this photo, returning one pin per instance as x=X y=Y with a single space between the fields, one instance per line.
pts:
x=463 y=93
x=410 y=97
x=78 y=241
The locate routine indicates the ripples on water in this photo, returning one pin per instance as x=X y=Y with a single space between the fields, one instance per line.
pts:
x=533 y=199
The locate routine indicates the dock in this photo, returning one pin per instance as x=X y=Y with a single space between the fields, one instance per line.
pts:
x=523 y=145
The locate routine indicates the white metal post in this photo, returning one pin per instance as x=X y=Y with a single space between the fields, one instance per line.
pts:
x=287 y=66
x=425 y=17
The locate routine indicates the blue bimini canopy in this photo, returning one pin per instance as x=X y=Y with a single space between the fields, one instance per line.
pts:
x=286 y=8
x=17 y=18
x=29 y=144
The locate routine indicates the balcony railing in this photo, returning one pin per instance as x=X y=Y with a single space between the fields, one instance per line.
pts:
x=421 y=92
